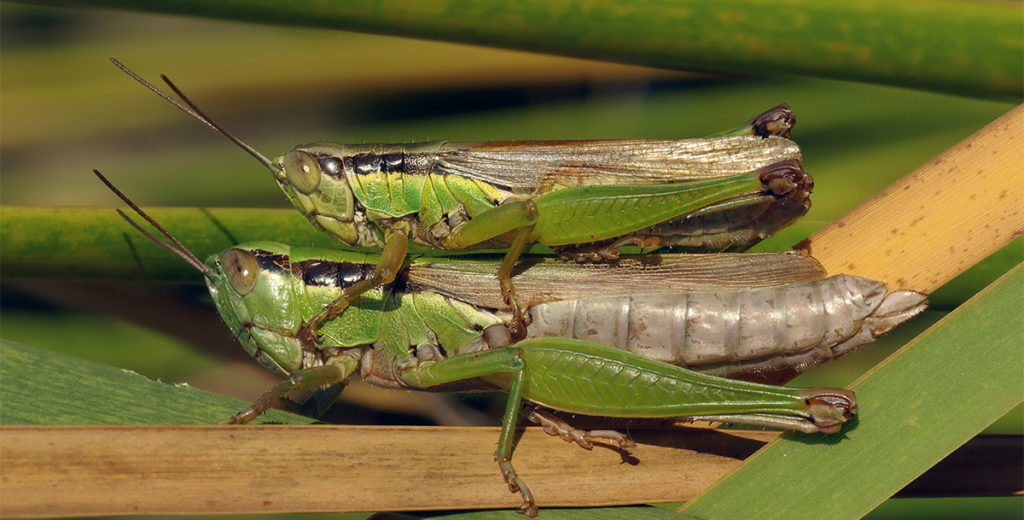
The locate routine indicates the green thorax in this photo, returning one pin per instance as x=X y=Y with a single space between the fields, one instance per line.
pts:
x=293 y=284
x=396 y=180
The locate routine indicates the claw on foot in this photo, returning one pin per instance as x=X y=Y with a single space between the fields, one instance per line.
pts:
x=517 y=329
x=517 y=325
x=516 y=485
x=528 y=510
x=244 y=417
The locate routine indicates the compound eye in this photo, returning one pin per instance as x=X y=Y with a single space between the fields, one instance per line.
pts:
x=302 y=170
x=241 y=268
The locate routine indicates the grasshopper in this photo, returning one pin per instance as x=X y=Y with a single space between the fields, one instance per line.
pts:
x=423 y=340
x=586 y=199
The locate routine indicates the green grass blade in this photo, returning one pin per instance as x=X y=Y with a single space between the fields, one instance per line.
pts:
x=95 y=243
x=593 y=513
x=40 y=387
x=915 y=408
x=932 y=44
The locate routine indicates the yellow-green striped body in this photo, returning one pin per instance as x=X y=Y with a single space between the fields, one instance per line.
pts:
x=285 y=286
x=585 y=191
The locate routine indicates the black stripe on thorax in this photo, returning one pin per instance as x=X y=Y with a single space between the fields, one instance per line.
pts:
x=273 y=262
x=371 y=163
x=322 y=273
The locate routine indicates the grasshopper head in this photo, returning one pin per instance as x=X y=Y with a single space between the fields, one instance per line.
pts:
x=306 y=173
x=251 y=286
x=313 y=178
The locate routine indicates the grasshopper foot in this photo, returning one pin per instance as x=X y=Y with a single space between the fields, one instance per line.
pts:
x=601 y=252
x=516 y=485
x=243 y=417
x=516 y=325
x=258 y=408
x=585 y=439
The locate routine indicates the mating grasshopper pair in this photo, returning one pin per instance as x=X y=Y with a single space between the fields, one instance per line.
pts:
x=438 y=324
x=584 y=198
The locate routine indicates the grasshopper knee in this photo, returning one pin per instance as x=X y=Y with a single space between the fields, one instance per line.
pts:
x=530 y=210
x=784 y=177
x=387 y=273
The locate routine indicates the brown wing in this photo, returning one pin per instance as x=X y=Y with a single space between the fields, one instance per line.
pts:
x=526 y=166
x=540 y=280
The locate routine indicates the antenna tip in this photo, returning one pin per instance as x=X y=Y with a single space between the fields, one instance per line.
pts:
x=104 y=179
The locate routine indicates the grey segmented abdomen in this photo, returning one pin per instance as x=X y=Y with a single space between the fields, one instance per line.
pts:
x=737 y=332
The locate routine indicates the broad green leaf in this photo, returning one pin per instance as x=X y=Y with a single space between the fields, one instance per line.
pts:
x=919 y=405
x=110 y=341
x=951 y=508
x=39 y=387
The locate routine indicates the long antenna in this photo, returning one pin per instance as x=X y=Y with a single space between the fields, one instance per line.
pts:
x=193 y=110
x=182 y=251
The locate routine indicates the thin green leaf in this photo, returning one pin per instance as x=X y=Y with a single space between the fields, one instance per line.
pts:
x=931 y=44
x=41 y=387
x=915 y=408
x=96 y=244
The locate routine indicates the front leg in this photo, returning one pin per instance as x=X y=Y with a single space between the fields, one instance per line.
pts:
x=330 y=374
x=392 y=257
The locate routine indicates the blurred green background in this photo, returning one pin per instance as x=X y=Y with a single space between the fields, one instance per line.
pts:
x=66 y=110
